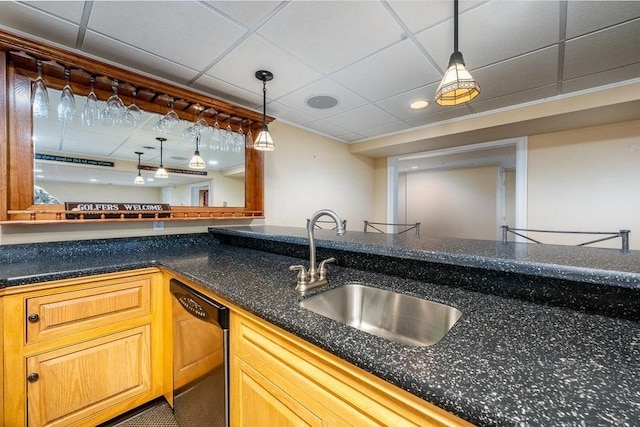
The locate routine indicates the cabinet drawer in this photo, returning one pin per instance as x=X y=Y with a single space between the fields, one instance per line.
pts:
x=75 y=382
x=55 y=315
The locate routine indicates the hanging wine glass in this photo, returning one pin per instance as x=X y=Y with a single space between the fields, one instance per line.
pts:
x=132 y=114
x=168 y=121
x=239 y=139
x=216 y=136
x=67 y=104
x=248 y=141
x=114 y=110
x=199 y=129
x=91 y=113
x=40 y=96
x=227 y=139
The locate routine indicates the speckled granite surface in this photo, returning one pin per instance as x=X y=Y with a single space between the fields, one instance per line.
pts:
x=593 y=280
x=506 y=361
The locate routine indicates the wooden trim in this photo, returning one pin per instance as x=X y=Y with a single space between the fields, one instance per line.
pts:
x=20 y=175
x=4 y=139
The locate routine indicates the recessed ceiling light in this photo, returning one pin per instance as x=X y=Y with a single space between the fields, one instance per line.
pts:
x=414 y=167
x=39 y=176
x=93 y=179
x=213 y=162
x=149 y=179
x=419 y=104
x=37 y=170
x=322 y=102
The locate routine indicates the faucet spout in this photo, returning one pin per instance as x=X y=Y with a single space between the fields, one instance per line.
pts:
x=314 y=277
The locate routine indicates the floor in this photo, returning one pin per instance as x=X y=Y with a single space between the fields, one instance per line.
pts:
x=159 y=414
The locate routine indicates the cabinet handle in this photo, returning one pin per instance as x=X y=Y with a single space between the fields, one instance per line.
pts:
x=32 y=378
x=33 y=318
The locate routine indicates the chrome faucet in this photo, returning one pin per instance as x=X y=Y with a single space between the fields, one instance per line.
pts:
x=316 y=276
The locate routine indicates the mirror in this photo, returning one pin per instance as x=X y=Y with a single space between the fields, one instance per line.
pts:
x=96 y=161
x=61 y=151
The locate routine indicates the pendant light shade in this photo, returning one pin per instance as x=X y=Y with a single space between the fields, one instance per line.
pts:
x=161 y=172
x=457 y=85
x=139 y=179
x=263 y=141
x=197 y=162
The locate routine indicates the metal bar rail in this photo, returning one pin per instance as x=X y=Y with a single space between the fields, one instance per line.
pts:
x=415 y=226
x=623 y=234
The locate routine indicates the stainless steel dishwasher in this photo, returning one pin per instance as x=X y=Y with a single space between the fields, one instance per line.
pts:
x=201 y=359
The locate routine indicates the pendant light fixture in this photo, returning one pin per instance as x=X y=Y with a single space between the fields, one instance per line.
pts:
x=457 y=85
x=161 y=172
x=264 y=142
x=139 y=179
x=196 y=161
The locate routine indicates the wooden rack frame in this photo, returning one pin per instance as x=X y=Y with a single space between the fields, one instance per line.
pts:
x=18 y=57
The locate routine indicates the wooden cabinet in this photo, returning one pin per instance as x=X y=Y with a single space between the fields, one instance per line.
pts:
x=81 y=351
x=279 y=379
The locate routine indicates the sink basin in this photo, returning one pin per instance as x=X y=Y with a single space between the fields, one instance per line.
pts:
x=391 y=315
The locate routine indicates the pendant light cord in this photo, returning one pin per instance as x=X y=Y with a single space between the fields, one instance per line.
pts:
x=264 y=102
x=455 y=25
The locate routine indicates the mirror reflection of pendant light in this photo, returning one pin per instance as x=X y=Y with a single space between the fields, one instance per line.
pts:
x=139 y=179
x=161 y=172
x=457 y=85
x=196 y=161
x=263 y=141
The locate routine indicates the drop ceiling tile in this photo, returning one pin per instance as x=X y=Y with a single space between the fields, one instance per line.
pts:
x=384 y=130
x=418 y=15
x=525 y=72
x=128 y=56
x=515 y=98
x=188 y=33
x=587 y=16
x=495 y=31
x=326 y=128
x=365 y=117
x=247 y=13
x=285 y=113
x=399 y=105
x=398 y=68
x=603 y=50
x=346 y=98
x=321 y=33
x=67 y=10
x=26 y=19
x=607 y=77
x=255 y=53
x=230 y=93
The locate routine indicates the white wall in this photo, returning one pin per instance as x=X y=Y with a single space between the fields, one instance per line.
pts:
x=586 y=180
x=308 y=172
x=458 y=203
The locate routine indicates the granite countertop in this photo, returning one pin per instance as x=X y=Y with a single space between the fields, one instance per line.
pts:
x=506 y=361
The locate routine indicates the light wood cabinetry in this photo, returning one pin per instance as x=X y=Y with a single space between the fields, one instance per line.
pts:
x=81 y=351
x=279 y=379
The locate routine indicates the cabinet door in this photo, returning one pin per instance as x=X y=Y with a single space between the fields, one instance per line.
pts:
x=71 y=383
x=263 y=403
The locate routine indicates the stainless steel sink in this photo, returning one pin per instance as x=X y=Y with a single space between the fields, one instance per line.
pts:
x=396 y=317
